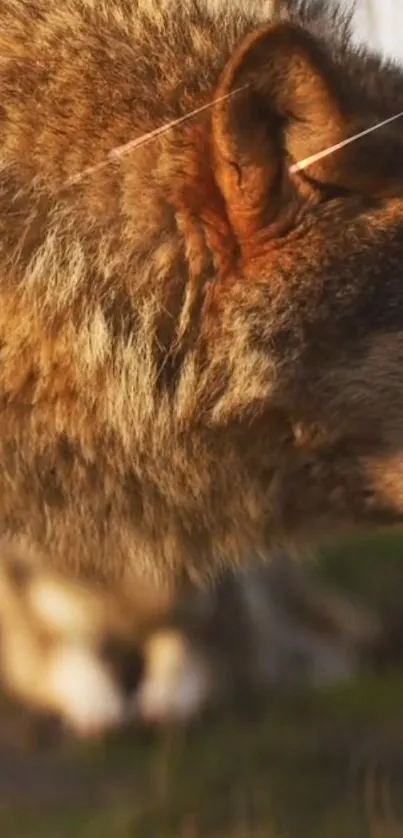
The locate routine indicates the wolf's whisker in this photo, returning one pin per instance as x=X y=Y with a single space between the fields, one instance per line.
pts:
x=132 y=145
x=127 y=148
x=314 y=158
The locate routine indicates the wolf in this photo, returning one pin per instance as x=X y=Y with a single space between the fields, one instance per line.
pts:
x=201 y=323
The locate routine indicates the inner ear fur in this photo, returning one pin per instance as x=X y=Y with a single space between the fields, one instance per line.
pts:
x=281 y=99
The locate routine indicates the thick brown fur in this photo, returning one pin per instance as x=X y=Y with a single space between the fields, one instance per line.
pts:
x=201 y=355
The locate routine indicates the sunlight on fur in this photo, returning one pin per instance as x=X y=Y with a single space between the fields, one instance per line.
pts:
x=201 y=347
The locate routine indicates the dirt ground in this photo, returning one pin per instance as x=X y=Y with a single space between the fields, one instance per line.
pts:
x=310 y=765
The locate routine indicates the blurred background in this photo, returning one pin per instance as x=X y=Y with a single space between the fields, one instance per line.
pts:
x=379 y=23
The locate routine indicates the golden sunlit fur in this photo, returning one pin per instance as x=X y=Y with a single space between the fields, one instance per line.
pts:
x=201 y=353
x=195 y=349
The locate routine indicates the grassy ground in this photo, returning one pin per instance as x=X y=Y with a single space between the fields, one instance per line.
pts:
x=323 y=765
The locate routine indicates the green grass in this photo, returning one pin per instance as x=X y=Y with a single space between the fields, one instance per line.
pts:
x=313 y=765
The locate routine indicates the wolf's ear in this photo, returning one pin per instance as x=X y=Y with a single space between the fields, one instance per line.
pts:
x=280 y=100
